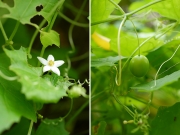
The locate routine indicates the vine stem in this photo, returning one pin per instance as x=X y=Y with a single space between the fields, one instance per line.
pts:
x=14 y=31
x=72 y=21
x=69 y=109
x=128 y=14
x=149 y=103
x=155 y=82
x=30 y=128
x=119 y=49
x=125 y=107
x=52 y=21
x=72 y=27
x=70 y=36
x=77 y=112
x=33 y=38
x=137 y=36
x=41 y=55
x=57 y=7
x=3 y=32
x=118 y=78
x=7 y=77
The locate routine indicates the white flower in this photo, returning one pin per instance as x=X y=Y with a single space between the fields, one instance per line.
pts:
x=50 y=64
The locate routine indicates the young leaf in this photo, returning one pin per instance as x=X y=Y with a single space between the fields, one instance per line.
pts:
x=150 y=86
x=49 y=38
x=167 y=121
x=13 y=104
x=34 y=86
x=51 y=127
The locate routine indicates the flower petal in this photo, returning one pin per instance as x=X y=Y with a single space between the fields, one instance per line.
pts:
x=42 y=60
x=50 y=57
x=46 y=68
x=58 y=63
x=55 y=70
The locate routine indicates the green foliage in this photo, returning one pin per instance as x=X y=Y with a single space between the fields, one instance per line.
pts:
x=167 y=121
x=100 y=10
x=49 y=38
x=13 y=103
x=168 y=8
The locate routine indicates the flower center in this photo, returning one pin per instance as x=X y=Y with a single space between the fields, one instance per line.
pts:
x=51 y=63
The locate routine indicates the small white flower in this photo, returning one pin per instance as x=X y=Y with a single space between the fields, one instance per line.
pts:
x=50 y=64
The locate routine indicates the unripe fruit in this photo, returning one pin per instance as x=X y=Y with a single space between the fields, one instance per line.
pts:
x=139 y=65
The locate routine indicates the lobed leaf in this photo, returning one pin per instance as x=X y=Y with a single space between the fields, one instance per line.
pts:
x=34 y=86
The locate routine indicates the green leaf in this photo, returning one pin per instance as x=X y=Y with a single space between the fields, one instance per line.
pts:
x=100 y=10
x=13 y=104
x=102 y=127
x=49 y=38
x=108 y=61
x=168 y=8
x=150 y=86
x=34 y=86
x=52 y=127
x=167 y=121
x=24 y=10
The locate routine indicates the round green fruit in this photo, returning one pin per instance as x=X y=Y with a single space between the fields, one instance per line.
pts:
x=139 y=65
